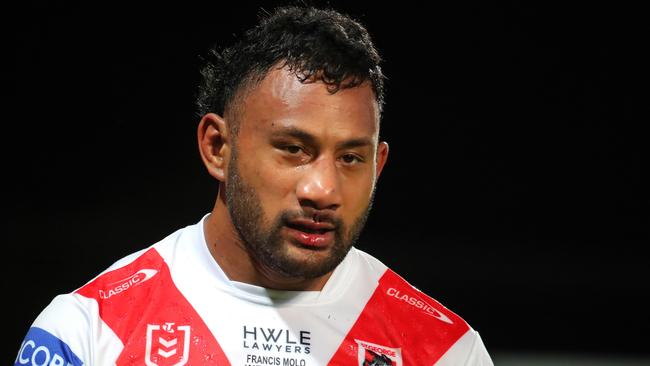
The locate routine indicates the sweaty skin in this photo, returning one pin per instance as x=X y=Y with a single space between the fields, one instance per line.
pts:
x=300 y=150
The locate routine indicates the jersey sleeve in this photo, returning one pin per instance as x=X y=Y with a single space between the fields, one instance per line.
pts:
x=60 y=335
x=478 y=355
x=469 y=350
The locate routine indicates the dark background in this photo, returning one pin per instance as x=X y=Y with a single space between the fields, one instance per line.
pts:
x=513 y=193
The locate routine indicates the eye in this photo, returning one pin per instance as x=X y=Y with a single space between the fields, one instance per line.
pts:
x=351 y=159
x=293 y=149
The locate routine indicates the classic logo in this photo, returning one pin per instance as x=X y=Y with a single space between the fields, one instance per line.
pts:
x=419 y=304
x=371 y=354
x=120 y=286
x=167 y=345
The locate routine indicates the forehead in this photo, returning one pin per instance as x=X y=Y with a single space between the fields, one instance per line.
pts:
x=281 y=99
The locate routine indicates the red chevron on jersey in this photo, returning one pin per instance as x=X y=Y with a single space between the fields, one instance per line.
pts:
x=167 y=331
x=399 y=326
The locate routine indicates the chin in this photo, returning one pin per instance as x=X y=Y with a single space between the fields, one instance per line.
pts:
x=305 y=263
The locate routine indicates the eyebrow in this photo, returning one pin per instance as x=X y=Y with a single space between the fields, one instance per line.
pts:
x=360 y=142
x=311 y=139
x=295 y=133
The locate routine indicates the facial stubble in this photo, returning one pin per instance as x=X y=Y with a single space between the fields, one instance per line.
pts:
x=264 y=242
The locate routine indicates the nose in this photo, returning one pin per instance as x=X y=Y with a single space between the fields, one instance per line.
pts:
x=319 y=185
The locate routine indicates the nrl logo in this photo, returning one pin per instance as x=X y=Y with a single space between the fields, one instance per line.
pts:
x=167 y=345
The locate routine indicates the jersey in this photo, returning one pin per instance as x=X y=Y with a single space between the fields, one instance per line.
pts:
x=171 y=304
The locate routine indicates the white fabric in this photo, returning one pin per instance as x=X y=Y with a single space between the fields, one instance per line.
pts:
x=237 y=313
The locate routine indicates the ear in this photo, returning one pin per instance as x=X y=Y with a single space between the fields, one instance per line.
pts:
x=214 y=145
x=382 y=156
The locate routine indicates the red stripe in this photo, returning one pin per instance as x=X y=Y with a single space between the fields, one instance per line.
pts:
x=141 y=299
x=398 y=316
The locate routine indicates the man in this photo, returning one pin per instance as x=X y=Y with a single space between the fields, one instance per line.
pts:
x=290 y=129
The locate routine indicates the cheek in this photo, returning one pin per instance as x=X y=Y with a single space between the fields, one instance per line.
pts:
x=276 y=182
x=273 y=187
x=356 y=197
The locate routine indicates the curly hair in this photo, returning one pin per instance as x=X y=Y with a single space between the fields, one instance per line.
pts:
x=314 y=44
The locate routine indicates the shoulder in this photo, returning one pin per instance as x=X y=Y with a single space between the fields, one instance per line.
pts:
x=73 y=325
x=400 y=319
x=404 y=298
x=404 y=310
x=468 y=350
x=54 y=332
x=133 y=279
x=164 y=246
x=398 y=295
x=70 y=327
x=143 y=268
x=136 y=268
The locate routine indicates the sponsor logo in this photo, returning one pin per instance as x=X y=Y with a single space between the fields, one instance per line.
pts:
x=167 y=344
x=120 y=286
x=41 y=348
x=419 y=304
x=371 y=354
x=278 y=340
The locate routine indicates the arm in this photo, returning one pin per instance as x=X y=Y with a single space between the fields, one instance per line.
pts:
x=60 y=335
x=469 y=350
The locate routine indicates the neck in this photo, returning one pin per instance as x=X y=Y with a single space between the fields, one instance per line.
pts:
x=231 y=255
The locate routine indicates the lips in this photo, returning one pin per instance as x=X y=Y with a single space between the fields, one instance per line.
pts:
x=310 y=226
x=308 y=233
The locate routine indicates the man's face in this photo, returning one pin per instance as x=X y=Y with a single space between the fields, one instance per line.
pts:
x=302 y=172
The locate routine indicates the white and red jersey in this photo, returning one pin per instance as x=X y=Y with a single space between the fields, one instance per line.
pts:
x=171 y=304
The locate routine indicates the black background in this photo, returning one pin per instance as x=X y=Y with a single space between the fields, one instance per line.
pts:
x=513 y=192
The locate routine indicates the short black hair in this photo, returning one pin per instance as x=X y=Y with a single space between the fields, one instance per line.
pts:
x=315 y=44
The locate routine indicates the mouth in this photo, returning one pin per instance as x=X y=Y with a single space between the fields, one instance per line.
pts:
x=310 y=226
x=307 y=229
x=310 y=234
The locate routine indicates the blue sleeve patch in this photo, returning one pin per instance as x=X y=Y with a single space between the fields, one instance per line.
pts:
x=42 y=348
